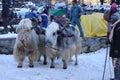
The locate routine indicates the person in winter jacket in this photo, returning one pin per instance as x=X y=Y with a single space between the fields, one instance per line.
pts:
x=44 y=19
x=33 y=16
x=115 y=44
x=75 y=14
x=108 y=14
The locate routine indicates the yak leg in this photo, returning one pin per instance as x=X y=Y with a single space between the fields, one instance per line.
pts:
x=45 y=60
x=20 y=60
x=70 y=58
x=39 y=56
x=52 y=63
x=30 y=62
x=20 y=64
x=76 y=61
x=64 y=64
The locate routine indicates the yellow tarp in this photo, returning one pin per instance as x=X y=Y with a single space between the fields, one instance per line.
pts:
x=94 y=25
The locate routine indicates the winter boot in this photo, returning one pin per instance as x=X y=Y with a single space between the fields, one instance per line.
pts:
x=117 y=74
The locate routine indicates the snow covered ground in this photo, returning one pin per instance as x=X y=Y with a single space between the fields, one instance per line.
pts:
x=9 y=35
x=90 y=68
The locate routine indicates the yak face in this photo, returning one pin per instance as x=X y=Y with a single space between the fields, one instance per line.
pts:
x=66 y=36
x=51 y=33
x=25 y=37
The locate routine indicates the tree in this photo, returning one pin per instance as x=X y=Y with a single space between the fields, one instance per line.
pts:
x=5 y=14
x=101 y=2
x=5 y=7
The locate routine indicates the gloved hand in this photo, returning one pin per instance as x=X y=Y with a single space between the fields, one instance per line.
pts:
x=107 y=41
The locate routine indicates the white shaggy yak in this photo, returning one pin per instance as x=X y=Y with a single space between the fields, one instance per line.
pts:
x=61 y=46
x=26 y=43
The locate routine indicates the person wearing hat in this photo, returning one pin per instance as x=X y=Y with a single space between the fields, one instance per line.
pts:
x=44 y=19
x=108 y=14
x=75 y=14
x=114 y=39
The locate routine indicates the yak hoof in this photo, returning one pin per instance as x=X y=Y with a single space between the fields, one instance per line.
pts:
x=76 y=63
x=44 y=63
x=19 y=66
x=31 y=66
x=64 y=67
x=111 y=79
x=52 y=66
x=38 y=60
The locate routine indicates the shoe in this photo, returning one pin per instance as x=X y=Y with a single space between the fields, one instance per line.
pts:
x=81 y=35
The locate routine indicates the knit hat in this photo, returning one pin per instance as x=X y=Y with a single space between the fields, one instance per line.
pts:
x=114 y=6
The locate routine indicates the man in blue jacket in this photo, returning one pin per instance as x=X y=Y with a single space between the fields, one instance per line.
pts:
x=75 y=14
x=44 y=19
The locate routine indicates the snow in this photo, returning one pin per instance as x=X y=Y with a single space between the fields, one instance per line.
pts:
x=9 y=35
x=90 y=67
x=21 y=11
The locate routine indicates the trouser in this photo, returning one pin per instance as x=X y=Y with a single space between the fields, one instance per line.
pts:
x=116 y=65
x=77 y=21
x=5 y=23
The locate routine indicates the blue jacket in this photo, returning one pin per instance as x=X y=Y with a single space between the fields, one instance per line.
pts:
x=44 y=21
x=75 y=12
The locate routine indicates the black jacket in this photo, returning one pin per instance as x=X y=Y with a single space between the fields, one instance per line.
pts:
x=115 y=44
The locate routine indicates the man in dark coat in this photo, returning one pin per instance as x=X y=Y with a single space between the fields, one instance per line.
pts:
x=108 y=14
x=44 y=19
x=115 y=44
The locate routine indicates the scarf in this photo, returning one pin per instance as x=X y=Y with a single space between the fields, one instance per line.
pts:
x=112 y=31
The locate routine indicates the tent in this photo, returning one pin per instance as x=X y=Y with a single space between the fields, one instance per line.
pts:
x=57 y=12
x=94 y=25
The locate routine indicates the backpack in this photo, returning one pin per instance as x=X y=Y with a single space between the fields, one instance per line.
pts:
x=106 y=15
